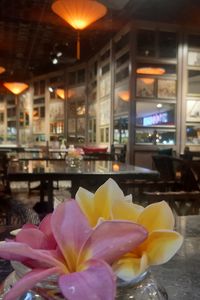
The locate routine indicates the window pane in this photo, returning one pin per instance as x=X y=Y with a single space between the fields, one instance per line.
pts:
x=193 y=134
x=120 y=44
x=122 y=99
x=193 y=111
x=152 y=114
x=167 y=44
x=193 y=82
x=146 y=43
x=150 y=136
x=121 y=130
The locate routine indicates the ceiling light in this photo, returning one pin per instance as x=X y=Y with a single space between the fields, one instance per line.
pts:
x=2 y=70
x=54 y=60
x=59 y=54
x=159 y=105
x=50 y=89
x=16 y=87
x=79 y=14
x=151 y=71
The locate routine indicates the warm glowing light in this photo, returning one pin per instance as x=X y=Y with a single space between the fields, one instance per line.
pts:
x=151 y=71
x=124 y=95
x=79 y=14
x=2 y=70
x=15 y=87
x=115 y=167
x=60 y=93
x=148 y=80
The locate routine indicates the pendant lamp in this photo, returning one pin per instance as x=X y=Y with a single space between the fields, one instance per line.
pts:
x=16 y=87
x=79 y=14
x=60 y=93
x=2 y=70
x=151 y=71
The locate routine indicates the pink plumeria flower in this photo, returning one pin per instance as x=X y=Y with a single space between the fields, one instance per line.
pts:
x=41 y=236
x=82 y=258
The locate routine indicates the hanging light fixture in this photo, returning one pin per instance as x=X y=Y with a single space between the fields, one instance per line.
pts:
x=150 y=71
x=2 y=70
x=60 y=93
x=16 y=87
x=79 y=14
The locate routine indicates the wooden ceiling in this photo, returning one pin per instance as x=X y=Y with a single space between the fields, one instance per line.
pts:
x=30 y=33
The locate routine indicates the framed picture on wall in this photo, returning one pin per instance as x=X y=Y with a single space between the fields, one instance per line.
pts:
x=193 y=111
x=145 y=87
x=166 y=89
x=194 y=58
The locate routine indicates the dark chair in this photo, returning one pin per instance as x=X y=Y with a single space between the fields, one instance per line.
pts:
x=175 y=172
x=165 y=151
x=180 y=187
x=119 y=152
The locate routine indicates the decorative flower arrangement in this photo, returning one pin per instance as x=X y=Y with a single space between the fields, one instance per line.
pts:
x=74 y=156
x=90 y=241
x=75 y=152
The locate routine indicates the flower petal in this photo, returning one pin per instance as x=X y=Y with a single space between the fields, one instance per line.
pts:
x=33 y=237
x=22 y=252
x=111 y=239
x=29 y=225
x=95 y=282
x=85 y=200
x=123 y=210
x=157 y=216
x=70 y=228
x=104 y=197
x=45 y=226
x=129 y=267
x=162 y=245
x=28 y=281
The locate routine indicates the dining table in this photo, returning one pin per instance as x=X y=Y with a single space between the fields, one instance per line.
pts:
x=86 y=174
x=180 y=276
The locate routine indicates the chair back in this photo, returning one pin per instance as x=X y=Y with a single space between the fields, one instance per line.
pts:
x=164 y=165
x=119 y=152
x=176 y=169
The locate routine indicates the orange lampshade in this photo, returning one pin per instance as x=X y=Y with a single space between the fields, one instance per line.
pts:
x=79 y=13
x=124 y=95
x=16 y=87
x=151 y=71
x=60 y=93
x=2 y=69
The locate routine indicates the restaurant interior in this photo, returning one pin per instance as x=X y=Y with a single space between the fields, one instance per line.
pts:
x=122 y=88
x=116 y=95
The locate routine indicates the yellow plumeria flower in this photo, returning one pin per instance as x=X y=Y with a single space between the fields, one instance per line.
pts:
x=162 y=243
x=160 y=246
x=108 y=203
